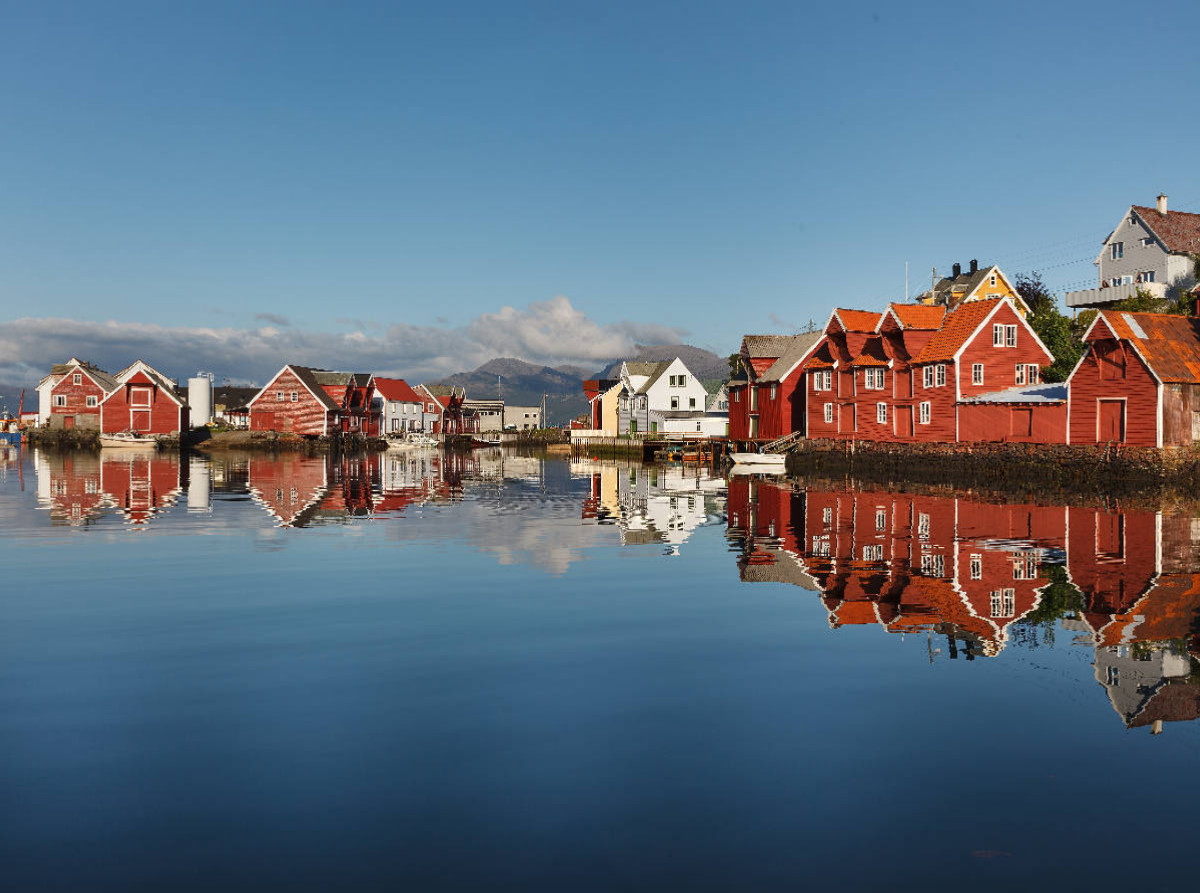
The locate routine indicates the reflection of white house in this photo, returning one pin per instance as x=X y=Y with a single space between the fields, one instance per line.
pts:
x=664 y=398
x=666 y=505
x=1150 y=249
x=1133 y=675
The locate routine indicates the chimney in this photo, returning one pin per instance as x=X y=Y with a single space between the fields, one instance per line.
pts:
x=974 y=266
x=957 y=271
x=1162 y=203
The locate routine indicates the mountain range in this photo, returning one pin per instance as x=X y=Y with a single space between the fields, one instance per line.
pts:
x=523 y=384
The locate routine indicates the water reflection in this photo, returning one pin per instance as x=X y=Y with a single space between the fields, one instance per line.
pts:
x=981 y=576
x=973 y=577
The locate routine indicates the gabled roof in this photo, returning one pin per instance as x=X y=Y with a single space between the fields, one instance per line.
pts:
x=164 y=384
x=924 y=317
x=655 y=376
x=767 y=346
x=1170 y=345
x=102 y=379
x=397 y=389
x=857 y=320
x=306 y=377
x=962 y=322
x=641 y=367
x=799 y=347
x=1179 y=231
x=360 y=379
x=328 y=377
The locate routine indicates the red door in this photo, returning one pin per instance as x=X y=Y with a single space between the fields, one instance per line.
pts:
x=68 y=421
x=1112 y=421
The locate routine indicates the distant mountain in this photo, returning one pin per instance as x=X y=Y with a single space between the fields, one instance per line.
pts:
x=524 y=383
x=704 y=364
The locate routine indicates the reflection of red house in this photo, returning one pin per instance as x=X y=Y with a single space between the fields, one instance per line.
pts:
x=69 y=486
x=141 y=484
x=144 y=400
x=315 y=402
x=288 y=486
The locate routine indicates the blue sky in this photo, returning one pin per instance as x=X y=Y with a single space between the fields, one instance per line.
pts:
x=354 y=171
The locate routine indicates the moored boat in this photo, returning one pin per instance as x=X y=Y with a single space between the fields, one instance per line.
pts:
x=758 y=463
x=128 y=439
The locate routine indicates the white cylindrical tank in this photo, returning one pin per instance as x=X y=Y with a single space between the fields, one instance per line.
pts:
x=199 y=494
x=200 y=399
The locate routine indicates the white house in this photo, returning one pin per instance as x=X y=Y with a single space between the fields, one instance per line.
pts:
x=402 y=409
x=1151 y=249
x=661 y=398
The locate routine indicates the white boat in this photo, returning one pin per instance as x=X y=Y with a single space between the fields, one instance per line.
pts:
x=128 y=439
x=758 y=463
x=412 y=442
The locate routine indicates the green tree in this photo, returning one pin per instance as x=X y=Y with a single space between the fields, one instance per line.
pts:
x=1057 y=330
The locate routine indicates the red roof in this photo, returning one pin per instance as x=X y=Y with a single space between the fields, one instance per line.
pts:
x=858 y=320
x=1178 y=230
x=397 y=389
x=1169 y=344
x=919 y=316
x=960 y=325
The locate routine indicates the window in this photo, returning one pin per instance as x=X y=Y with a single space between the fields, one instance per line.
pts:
x=737 y=396
x=941 y=375
x=928 y=382
x=90 y=402
x=1010 y=336
x=77 y=378
x=992 y=280
x=1148 y=242
x=60 y=399
x=279 y=396
x=682 y=380
x=697 y=426
x=1031 y=373
x=923 y=525
x=674 y=402
x=1020 y=373
x=1146 y=276
x=1004 y=602
x=997 y=335
x=881 y=413
x=933 y=565
x=139 y=397
x=977 y=373
x=692 y=401
x=395 y=424
x=1118 y=250
x=1025 y=566
x=295 y=396
x=821 y=547
x=354 y=421
x=772 y=395
x=828 y=413
x=431 y=407
x=872 y=552
x=881 y=519
x=924 y=410
x=873 y=379
x=976 y=567
x=827 y=515
x=827 y=375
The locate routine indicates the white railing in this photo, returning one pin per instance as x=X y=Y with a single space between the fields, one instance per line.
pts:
x=1092 y=296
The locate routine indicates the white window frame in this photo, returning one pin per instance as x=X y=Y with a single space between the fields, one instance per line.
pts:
x=881 y=413
x=992 y=281
x=927 y=380
x=295 y=396
x=977 y=373
x=976 y=566
x=941 y=375
x=828 y=413
x=279 y=396
x=997 y=335
x=772 y=395
x=91 y=401
x=924 y=412
x=1032 y=373
x=674 y=402
x=60 y=399
x=1117 y=250
x=1010 y=336
x=1020 y=374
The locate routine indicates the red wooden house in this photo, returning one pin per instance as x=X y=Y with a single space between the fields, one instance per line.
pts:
x=315 y=403
x=832 y=402
x=768 y=399
x=1139 y=381
x=145 y=401
x=76 y=397
x=984 y=347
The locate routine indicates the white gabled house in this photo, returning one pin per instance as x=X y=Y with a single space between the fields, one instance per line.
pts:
x=662 y=398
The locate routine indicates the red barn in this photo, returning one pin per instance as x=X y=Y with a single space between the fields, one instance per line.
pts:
x=144 y=401
x=1139 y=381
x=76 y=397
x=315 y=403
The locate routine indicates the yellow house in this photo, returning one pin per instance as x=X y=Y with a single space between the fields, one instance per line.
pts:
x=973 y=284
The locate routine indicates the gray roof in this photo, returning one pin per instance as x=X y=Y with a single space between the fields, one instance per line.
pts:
x=797 y=347
x=765 y=345
x=1049 y=392
x=964 y=283
x=642 y=367
x=311 y=380
x=329 y=377
x=784 y=569
x=655 y=376
x=713 y=385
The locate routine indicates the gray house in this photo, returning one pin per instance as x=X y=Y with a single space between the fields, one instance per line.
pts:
x=1152 y=249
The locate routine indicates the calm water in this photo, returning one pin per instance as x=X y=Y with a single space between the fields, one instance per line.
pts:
x=394 y=672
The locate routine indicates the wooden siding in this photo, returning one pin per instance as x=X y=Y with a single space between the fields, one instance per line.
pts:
x=76 y=414
x=1181 y=414
x=304 y=416
x=163 y=416
x=1012 y=423
x=999 y=363
x=1110 y=371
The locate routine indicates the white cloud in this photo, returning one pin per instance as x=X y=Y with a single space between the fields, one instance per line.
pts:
x=551 y=332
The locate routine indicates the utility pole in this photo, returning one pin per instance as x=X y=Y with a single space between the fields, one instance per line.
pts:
x=906 y=282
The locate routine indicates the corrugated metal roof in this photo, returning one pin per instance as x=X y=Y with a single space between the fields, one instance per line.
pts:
x=1048 y=392
x=1169 y=344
